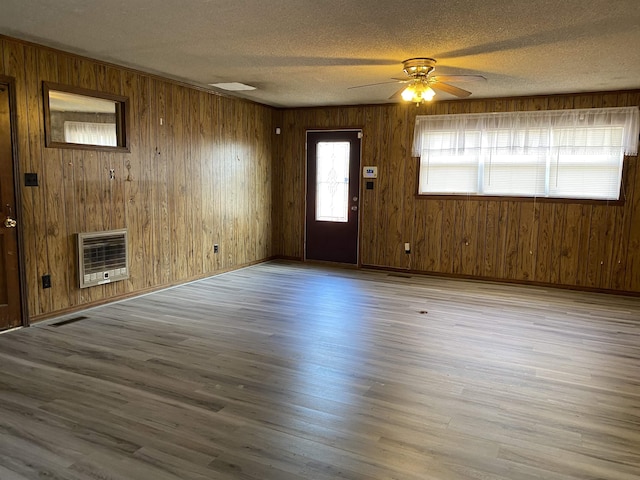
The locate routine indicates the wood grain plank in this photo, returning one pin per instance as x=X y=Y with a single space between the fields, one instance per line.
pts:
x=147 y=174
x=277 y=178
x=449 y=245
x=472 y=241
x=570 y=250
x=481 y=239
x=433 y=226
x=371 y=156
x=410 y=185
x=192 y=171
x=136 y=220
x=512 y=239
x=557 y=243
x=546 y=234
x=458 y=241
x=491 y=231
x=420 y=237
x=239 y=162
x=528 y=240
x=218 y=183
x=623 y=224
x=600 y=246
x=584 y=239
x=230 y=193
x=60 y=241
x=388 y=233
x=207 y=185
x=163 y=178
x=263 y=217
x=501 y=244
x=181 y=245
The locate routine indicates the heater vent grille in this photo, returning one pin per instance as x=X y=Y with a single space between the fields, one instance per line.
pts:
x=102 y=257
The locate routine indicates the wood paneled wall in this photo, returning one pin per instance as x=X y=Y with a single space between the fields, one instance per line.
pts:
x=199 y=173
x=205 y=169
x=572 y=244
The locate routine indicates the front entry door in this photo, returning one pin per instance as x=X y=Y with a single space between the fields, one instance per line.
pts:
x=10 y=306
x=333 y=189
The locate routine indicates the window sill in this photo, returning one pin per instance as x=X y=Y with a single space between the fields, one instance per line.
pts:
x=496 y=198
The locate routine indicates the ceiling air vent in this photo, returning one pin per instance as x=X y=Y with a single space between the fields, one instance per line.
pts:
x=102 y=257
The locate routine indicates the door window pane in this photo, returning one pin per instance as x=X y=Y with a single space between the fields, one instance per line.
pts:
x=332 y=181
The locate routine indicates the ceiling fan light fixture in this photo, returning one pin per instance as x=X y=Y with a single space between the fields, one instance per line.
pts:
x=428 y=94
x=419 y=67
x=420 y=82
x=408 y=93
x=417 y=93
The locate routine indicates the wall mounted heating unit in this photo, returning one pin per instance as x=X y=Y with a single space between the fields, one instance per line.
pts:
x=102 y=257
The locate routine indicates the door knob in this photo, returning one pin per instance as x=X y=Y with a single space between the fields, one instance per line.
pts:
x=354 y=207
x=9 y=222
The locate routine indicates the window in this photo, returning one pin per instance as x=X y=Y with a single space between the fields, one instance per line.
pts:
x=91 y=133
x=332 y=182
x=556 y=153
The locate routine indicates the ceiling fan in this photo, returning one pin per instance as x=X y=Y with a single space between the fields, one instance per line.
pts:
x=422 y=84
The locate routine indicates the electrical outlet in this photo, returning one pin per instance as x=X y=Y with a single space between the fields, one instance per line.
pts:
x=46 y=281
x=215 y=248
x=407 y=248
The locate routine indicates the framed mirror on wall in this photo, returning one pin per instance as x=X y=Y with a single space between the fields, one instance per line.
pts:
x=80 y=118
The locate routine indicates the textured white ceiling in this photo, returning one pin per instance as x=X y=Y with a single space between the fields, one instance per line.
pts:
x=309 y=52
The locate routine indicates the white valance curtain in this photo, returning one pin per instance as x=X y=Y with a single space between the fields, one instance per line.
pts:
x=87 y=133
x=535 y=128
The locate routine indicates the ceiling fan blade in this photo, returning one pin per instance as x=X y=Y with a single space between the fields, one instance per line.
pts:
x=394 y=80
x=396 y=95
x=445 y=87
x=372 y=84
x=459 y=78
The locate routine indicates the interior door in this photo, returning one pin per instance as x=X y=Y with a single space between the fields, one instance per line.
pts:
x=333 y=189
x=10 y=303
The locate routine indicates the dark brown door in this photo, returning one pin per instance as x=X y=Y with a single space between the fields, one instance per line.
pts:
x=333 y=189
x=9 y=274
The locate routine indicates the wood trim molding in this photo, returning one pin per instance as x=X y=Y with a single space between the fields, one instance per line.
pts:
x=10 y=82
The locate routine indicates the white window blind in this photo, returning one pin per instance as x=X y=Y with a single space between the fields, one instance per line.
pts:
x=88 y=133
x=555 y=153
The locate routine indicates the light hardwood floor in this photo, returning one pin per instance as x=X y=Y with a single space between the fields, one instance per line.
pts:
x=290 y=371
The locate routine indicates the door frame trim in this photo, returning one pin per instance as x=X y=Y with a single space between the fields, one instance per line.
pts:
x=10 y=82
x=308 y=130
